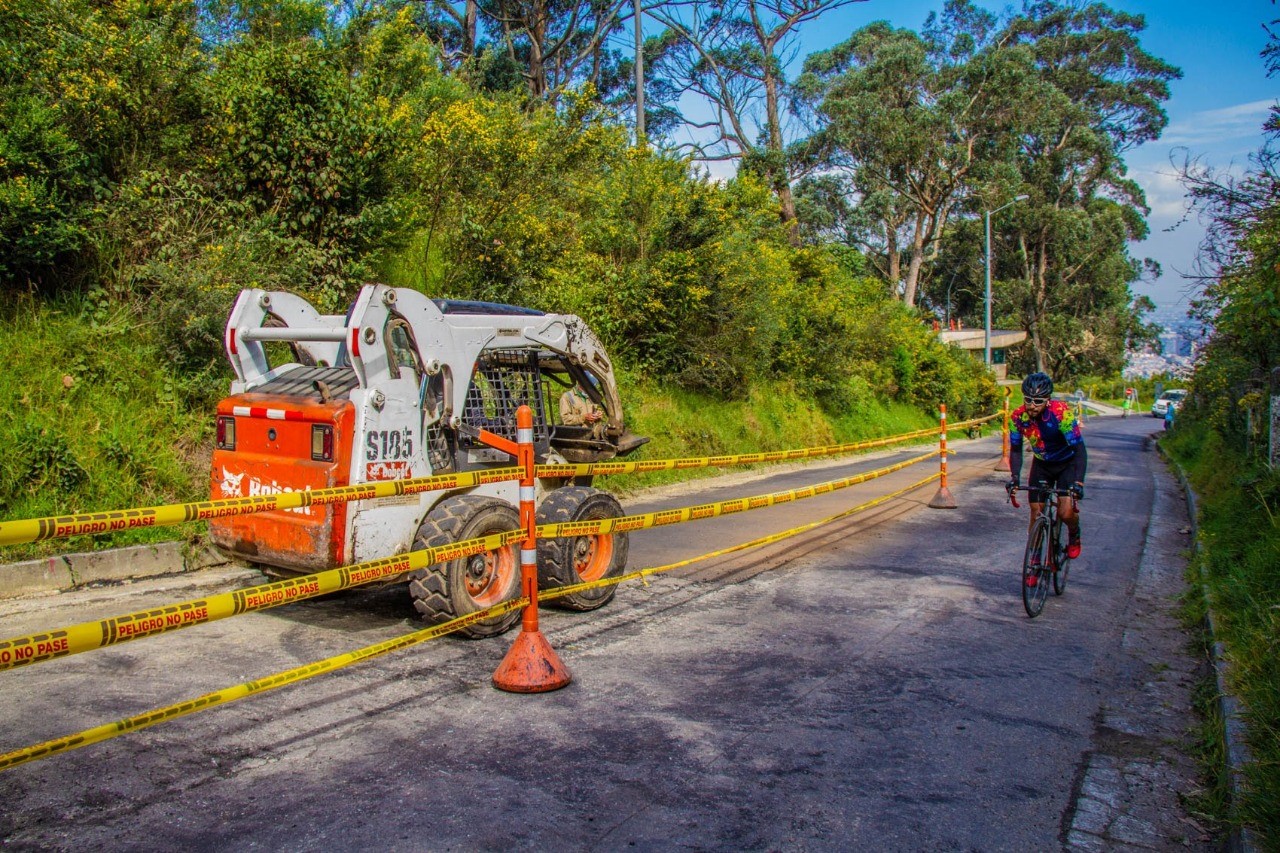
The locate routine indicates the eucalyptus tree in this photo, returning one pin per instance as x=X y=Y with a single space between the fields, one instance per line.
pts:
x=1099 y=94
x=913 y=122
x=549 y=45
x=733 y=55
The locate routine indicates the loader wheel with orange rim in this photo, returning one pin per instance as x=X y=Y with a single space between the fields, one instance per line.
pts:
x=464 y=585
x=576 y=559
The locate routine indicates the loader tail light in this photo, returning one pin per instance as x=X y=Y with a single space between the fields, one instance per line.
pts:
x=226 y=432
x=322 y=442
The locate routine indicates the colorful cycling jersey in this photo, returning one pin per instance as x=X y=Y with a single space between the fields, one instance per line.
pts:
x=1053 y=435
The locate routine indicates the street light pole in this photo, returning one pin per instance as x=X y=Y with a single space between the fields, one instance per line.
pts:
x=986 y=325
x=640 y=139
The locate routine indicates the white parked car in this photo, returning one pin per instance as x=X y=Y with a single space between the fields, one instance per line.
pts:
x=1173 y=397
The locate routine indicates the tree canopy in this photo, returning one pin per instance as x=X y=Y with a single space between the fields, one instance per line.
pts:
x=173 y=151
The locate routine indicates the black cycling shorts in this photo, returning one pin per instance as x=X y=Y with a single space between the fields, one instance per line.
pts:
x=1060 y=475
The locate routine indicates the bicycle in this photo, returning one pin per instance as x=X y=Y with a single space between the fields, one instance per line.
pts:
x=1045 y=561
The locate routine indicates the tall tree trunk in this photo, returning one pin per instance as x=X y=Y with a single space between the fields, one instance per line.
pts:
x=894 y=258
x=469 y=29
x=913 y=277
x=537 y=65
x=1034 y=332
x=787 y=208
x=914 y=264
x=778 y=175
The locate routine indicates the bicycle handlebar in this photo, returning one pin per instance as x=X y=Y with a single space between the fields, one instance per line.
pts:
x=1043 y=487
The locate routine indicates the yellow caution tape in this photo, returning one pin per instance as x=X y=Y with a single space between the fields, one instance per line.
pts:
x=602 y=468
x=642 y=574
x=33 y=648
x=629 y=523
x=249 y=688
x=92 y=523
x=54 y=527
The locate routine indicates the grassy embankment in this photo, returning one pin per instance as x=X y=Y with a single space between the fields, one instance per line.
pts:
x=1239 y=563
x=93 y=417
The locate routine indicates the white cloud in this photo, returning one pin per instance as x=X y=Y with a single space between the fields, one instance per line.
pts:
x=1216 y=126
x=1165 y=195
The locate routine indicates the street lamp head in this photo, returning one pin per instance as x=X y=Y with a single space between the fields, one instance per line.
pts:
x=1015 y=200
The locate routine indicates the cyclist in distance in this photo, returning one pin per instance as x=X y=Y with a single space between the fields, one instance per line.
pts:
x=1053 y=431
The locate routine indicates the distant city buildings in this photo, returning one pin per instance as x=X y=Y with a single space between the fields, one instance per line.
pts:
x=1181 y=339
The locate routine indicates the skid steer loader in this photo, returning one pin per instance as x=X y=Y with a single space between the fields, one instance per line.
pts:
x=400 y=387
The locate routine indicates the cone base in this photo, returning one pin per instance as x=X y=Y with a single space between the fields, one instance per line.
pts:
x=1003 y=464
x=943 y=499
x=531 y=666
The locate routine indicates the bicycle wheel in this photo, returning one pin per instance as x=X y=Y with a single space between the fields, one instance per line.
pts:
x=1035 y=569
x=1061 y=562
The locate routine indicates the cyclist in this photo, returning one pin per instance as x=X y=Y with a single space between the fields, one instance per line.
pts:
x=1053 y=431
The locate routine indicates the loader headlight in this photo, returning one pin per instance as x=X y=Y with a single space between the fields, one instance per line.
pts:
x=226 y=432
x=322 y=442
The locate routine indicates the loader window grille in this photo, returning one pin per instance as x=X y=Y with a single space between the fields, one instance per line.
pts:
x=439 y=454
x=503 y=381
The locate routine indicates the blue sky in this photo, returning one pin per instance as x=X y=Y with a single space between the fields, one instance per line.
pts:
x=1216 y=110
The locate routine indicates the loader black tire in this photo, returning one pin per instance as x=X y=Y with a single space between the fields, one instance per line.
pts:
x=448 y=590
x=567 y=561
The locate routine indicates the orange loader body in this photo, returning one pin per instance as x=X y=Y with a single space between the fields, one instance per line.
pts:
x=275 y=450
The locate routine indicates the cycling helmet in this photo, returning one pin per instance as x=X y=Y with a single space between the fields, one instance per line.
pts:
x=1037 y=385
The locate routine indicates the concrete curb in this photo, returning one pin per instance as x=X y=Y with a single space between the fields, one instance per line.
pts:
x=1235 y=731
x=71 y=571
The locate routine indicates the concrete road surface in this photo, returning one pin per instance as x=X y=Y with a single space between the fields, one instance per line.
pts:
x=872 y=685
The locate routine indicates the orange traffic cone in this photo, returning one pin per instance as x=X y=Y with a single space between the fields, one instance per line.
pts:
x=531 y=666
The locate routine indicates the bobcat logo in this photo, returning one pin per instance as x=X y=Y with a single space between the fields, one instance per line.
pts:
x=231 y=483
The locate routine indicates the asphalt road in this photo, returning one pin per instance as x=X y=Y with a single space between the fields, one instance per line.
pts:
x=874 y=684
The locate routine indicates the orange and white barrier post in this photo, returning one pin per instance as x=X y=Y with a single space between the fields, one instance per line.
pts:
x=531 y=665
x=1003 y=464
x=943 y=499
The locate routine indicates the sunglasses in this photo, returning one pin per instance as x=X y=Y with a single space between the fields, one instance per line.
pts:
x=1035 y=401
